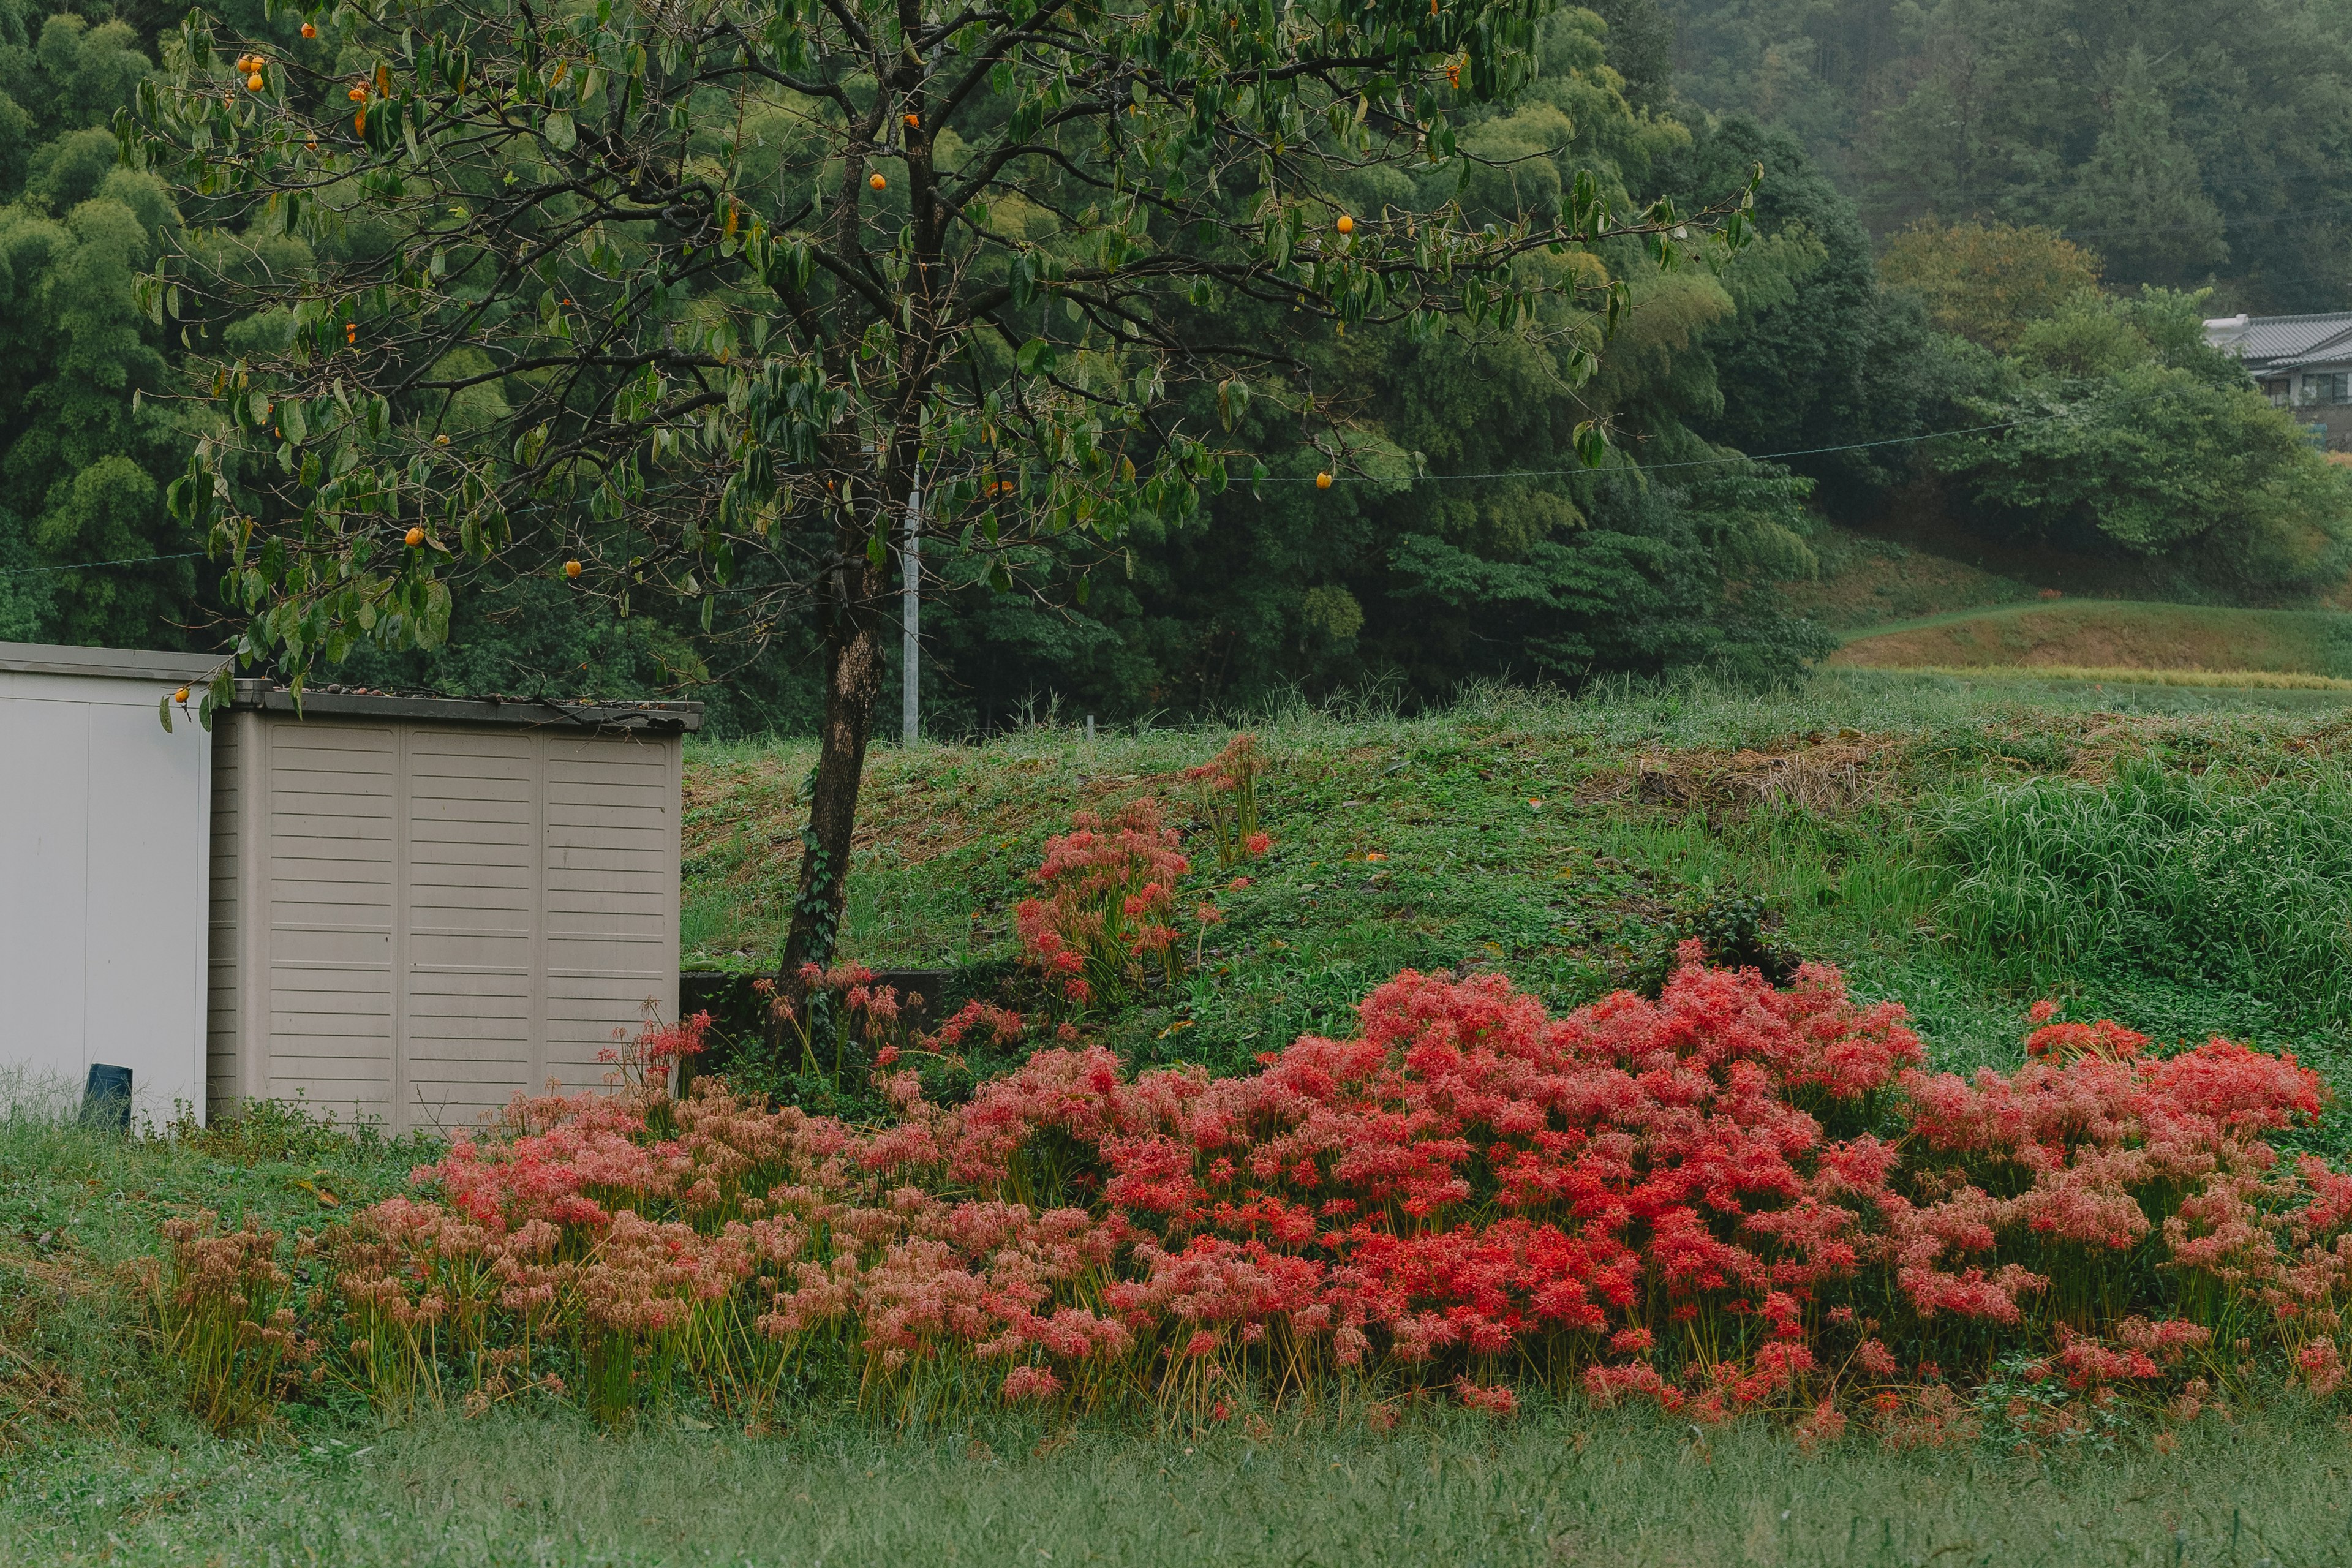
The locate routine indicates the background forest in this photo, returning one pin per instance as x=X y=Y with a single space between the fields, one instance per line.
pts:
x=1996 y=218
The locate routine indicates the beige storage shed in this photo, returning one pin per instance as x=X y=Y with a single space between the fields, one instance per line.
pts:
x=420 y=906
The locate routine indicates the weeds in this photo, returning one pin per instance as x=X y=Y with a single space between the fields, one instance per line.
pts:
x=271 y=1129
x=2200 y=878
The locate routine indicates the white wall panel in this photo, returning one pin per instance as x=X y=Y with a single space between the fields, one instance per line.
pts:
x=104 y=838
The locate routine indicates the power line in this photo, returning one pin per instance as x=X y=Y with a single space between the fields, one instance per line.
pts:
x=1708 y=462
x=92 y=565
x=2243 y=220
x=1444 y=479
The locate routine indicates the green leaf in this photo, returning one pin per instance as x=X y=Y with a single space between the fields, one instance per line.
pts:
x=1591 y=444
x=1232 y=400
x=1036 y=357
x=560 y=133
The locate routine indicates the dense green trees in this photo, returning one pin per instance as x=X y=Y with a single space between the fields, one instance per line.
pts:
x=1988 y=282
x=1464 y=538
x=2048 y=178
x=1464 y=535
x=2128 y=431
x=2181 y=139
x=82 y=462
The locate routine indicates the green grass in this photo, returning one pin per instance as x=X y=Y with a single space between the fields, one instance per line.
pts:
x=1571 y=897
x=1859 y=809
x=2215 y=880
x=1545 y=1489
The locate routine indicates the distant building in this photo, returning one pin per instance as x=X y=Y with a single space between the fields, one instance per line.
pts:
x=2303 y=363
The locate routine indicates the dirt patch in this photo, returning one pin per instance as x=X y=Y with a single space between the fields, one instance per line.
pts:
x=32 y=1395
x=33 y=1391
x=1826 y=775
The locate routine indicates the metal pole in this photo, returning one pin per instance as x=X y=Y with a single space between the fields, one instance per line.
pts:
x=910 y=616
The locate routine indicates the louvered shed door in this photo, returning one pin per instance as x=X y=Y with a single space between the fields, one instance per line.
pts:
x=331 y=868
x=471 y=904
x=459 y=914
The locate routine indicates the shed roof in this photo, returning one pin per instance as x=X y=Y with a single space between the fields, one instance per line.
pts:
x=350 y=701
x=2278 y=342
x=123 y=663
x=513 y=712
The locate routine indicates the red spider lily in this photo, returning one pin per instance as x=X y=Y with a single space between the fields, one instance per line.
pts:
x=1109 y=896
x=1713 y=1201
x=1495 y=1399
x=1225 y=793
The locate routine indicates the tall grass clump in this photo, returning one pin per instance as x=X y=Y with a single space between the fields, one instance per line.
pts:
x=2208 y=879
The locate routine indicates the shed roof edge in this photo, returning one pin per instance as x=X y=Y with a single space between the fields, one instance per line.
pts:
x=504 y=713
x=115 y=663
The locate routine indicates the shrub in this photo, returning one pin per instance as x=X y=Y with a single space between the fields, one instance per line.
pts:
x=1734 y=931
x=1738 y=1196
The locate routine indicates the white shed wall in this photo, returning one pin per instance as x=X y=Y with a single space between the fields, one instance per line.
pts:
x=103 y=878
x=425 y=919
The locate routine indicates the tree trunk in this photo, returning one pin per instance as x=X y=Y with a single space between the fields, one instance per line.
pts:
x=853 y=619
x=853 y=686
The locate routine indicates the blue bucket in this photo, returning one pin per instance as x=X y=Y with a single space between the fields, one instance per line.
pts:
x=106 y=1098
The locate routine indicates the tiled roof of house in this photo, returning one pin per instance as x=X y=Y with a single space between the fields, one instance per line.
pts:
x=2280 y=342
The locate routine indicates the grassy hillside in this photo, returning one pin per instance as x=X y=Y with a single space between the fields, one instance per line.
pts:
x=2099 y=636
x=1866 y=581
x=1564 y=843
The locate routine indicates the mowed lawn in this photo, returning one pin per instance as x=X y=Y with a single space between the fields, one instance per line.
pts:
x=1900 y=826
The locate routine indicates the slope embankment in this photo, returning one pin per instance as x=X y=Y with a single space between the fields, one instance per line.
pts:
x=2111 y=639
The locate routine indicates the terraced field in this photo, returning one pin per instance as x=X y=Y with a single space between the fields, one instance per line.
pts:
x=2101 y=639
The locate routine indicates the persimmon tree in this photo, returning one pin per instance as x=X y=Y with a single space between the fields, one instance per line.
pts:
x=690 y=299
